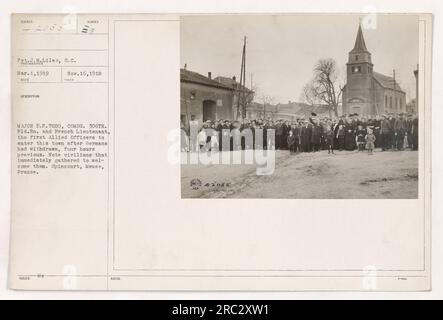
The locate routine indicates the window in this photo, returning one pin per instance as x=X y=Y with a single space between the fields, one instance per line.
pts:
x=356 y=69
x=386 y=101
x=356 y=57
x=390 y=102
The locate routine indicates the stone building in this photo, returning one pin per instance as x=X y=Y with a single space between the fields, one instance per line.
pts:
x=204 y=97
x=367 y=92
x=239 y=91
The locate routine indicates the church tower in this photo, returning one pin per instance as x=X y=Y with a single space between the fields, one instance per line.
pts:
x=359 y=73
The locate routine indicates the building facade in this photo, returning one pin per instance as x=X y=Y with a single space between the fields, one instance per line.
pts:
x=244 y=94
x=204 y=98
x=367 y=92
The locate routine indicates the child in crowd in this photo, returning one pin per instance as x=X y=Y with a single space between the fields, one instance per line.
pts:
x=370 y=139
x=406 y=141
x=360 y=138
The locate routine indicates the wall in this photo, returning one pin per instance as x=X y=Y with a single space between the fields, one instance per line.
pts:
x=373 y=95
x=202 y=93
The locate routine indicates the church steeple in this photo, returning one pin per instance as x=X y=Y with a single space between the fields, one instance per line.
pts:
x=360 y=45
x=359 y=54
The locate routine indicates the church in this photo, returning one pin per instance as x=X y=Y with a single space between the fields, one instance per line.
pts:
x=369 y=93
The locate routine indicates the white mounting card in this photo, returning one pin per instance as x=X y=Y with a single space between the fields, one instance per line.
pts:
x=193 y=152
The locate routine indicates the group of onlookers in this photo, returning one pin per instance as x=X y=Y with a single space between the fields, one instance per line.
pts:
x=347 y=132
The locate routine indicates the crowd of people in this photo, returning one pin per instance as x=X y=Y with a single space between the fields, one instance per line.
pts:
x=311 y=134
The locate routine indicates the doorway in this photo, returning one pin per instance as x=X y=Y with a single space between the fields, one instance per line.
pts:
x=209 y=110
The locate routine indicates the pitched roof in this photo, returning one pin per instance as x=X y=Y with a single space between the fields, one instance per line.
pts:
x=194 y=77
x=231 y=83
x=226 y=80
x=359 y=45
x=386 y=81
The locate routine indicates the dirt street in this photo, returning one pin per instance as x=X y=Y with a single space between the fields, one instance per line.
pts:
x=344 y=175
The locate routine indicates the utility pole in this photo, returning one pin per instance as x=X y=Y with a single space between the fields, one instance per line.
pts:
x=241 y=103
x=244 y=80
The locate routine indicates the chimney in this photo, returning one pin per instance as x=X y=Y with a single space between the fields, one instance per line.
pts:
x=234 y=78
x=209 y=75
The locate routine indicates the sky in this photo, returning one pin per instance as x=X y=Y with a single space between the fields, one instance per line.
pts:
x=282 y=50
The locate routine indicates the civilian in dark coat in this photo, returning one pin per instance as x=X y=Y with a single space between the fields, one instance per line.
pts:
x=349 y=136
x=414 y=133
x=305 y=137
x=376 y=124
x=316 y=137
x=340 y=137
x=296 y=130
x=286 y=129
x=399 y=131
x=360 y=138
x=279 y=135
x=386 y=133
x=291 y=142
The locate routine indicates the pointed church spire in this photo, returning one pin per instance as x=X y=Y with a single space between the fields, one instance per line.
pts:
x=359 y=41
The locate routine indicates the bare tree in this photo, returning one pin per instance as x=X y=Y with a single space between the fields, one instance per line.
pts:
x=308 y=94
x=249 y=95
x=325 y=86
x=267 y=102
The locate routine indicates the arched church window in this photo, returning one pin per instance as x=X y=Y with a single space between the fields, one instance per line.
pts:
x=356 y=57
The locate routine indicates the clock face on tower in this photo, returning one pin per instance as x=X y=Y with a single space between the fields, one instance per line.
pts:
x=356 y=69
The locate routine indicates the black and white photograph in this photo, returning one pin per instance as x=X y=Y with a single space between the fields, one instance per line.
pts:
x=227 y=151
x=299 y=106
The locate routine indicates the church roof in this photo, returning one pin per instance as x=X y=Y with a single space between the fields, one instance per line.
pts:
x=386 y=81
x=360 y=44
